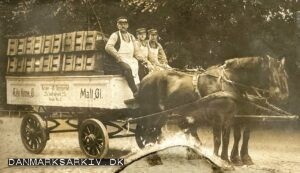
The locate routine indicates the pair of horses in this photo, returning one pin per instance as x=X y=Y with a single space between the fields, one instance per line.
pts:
x=238 y=79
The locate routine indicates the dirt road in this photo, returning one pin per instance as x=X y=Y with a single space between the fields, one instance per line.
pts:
x=272 y=150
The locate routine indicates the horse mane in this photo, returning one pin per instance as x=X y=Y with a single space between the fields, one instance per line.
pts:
x=244 y=63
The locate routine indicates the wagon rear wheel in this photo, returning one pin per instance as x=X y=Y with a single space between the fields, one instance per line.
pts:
x=93 y=138
x=146 y=134
x=33 y=133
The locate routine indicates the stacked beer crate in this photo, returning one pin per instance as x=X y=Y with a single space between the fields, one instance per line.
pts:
x=68 y=52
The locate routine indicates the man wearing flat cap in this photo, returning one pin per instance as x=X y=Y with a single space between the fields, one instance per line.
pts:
x=121 y=45
x=157 y=55
x=143 y=52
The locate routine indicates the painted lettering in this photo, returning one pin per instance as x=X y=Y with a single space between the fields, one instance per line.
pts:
x=90 y=93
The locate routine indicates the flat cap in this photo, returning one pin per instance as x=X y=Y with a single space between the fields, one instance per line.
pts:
x=152 y=31
x=121 y=18
x=141 y=30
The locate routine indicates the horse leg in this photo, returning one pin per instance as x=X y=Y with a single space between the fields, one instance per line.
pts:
x=225 y=142
x=191 y=153
x=195 y=135
x=234 y=157
x=217 y=139
x=246 y=159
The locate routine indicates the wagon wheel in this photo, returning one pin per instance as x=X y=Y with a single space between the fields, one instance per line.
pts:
x=93 y=138
x=146 y=134
x=34 y=133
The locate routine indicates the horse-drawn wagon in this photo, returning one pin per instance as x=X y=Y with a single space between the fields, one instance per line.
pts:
x=64 y=74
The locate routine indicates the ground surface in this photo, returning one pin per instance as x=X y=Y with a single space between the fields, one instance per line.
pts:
x=272 y=150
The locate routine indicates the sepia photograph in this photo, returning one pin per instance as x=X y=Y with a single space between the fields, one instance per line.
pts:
x=150 y=86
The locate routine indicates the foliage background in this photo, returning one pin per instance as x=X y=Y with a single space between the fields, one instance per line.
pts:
x=193 y=32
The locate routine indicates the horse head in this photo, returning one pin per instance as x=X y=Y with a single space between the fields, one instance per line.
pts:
x=277 y=79
x=264 y=74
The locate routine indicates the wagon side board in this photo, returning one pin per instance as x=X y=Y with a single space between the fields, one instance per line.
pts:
x=99 y=91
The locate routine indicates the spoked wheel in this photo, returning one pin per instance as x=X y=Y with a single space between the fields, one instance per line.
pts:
x=93 y=138
x=146 y=134
x=33 y=133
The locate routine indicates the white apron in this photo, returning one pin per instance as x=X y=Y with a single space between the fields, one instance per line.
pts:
x=153 y=53
x=144 y=51
x=126 y=52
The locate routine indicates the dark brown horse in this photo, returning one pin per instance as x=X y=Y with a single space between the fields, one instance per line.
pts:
x=238 y=78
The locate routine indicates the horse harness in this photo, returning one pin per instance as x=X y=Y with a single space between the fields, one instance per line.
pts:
x=222 y=78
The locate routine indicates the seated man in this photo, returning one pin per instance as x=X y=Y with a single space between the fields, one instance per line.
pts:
x=121 y=46
x=156 y=55
x=142 y=55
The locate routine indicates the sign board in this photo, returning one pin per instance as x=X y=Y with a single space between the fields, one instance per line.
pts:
x=101 y=91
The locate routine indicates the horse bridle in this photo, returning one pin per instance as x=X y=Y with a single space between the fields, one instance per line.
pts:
x=222 y=78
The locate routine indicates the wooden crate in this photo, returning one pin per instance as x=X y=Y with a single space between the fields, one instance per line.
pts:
x=29 y=64
x=68 y=62
x=38 y=63
x=83 y=62
x=38 y=45
x=47 y=44
x=21 y=48
x=20 y=64
x=90 y=40
x=29 y=45
x=68 y=42
x=12 y=47
x=94 y=62
x=15 y=64
x=79 y=62
x=47 y=63
x=56 y=44
x=79 y=41
x=56 y=62
x=12 y=64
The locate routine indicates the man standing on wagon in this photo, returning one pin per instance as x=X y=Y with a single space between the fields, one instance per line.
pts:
x=121 y=45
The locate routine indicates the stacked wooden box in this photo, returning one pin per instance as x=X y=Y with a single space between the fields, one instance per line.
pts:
x=68 y=52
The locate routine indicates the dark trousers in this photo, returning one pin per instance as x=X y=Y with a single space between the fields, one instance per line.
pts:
x=111 y=67
x=143 y=71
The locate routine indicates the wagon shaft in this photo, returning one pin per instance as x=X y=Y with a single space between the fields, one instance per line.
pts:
x=268 y=117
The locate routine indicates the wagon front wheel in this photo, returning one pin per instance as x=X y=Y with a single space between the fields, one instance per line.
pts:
x=33 y=133
x=145 y=134
x=93 y=138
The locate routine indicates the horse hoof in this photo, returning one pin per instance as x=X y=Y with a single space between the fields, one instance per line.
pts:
x=236 y=161
x=225 y=158
x=247 y=160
